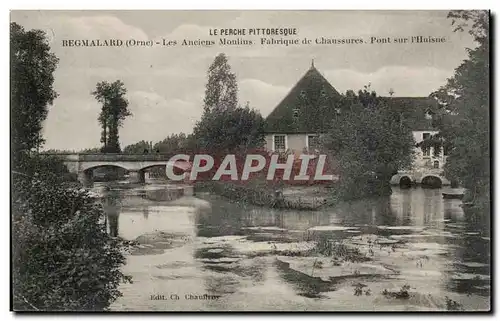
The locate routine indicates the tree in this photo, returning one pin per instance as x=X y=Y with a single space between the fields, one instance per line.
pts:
x=62 y=257
x=463 y=115
x=57 y=151
x=113 y=113
x=221 y=90
x=174 y=143
x=32 y=65
x=94 y=150
x=437 y=142
x=368 y=144
x=138 y=148
x=225 y=126
x=230 y=130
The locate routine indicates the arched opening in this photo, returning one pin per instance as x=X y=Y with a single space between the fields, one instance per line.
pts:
x=431 y=182
x=405 y=182
x=107 y=173
x=155 y=172
x=101 y=173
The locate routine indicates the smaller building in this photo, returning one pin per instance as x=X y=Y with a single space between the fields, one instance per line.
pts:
x=428 y=162
x=417 y=114
x=429 y=158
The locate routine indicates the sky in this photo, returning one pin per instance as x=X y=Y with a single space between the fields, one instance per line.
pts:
x=166 y=85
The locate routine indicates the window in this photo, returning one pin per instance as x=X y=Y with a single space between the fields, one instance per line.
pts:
x=313 y=142
x=446 y=149
x=295 y=113
x=436 y=164
x=427 y=150
x=279 y=142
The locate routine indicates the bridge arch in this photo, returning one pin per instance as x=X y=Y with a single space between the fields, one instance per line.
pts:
x=150 y=166
x=179 y=167
x=88 y=174
x=154 y=171
x=85 y=167
x=405 y=181
x=432 y=181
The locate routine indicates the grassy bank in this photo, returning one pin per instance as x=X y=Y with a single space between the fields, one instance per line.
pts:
x=262 y=194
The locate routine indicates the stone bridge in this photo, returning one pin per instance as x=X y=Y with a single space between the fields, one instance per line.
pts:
x=136 y=164
x=419 y=176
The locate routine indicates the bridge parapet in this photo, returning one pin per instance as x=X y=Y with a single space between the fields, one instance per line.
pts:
x=114 y=157
x=135 y=164
x=68 y=157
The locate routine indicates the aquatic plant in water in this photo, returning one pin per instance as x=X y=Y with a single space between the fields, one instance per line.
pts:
x=452 y=305
x=340 y=251
x=358 y=290
x=401 y=294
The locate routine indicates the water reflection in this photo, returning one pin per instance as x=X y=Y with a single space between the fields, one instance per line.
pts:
x=417 y=207
x=472 y=253
x=436 y=247
x=145 y=212
x=229 y=218
x=111 y=204
x=437 y=234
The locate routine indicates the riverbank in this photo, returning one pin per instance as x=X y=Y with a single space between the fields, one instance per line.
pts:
x=263 y=194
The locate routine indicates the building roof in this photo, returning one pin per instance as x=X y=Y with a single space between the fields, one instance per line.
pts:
x=310 y=99
x=414 y=110
x=312 y=103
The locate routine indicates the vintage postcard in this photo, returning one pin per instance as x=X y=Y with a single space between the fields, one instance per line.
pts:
x=250 y=161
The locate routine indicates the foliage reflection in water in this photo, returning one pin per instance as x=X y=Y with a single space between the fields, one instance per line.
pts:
x=413 y=240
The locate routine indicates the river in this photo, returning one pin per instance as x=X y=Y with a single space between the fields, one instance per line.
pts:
x=208 y=254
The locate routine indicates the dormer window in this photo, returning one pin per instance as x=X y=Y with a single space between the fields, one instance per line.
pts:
x=428 y=114
x=302 y=97
x=295 y=113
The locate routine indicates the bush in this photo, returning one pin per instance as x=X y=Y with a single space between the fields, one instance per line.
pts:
x=256 y=192
x=63 y=258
